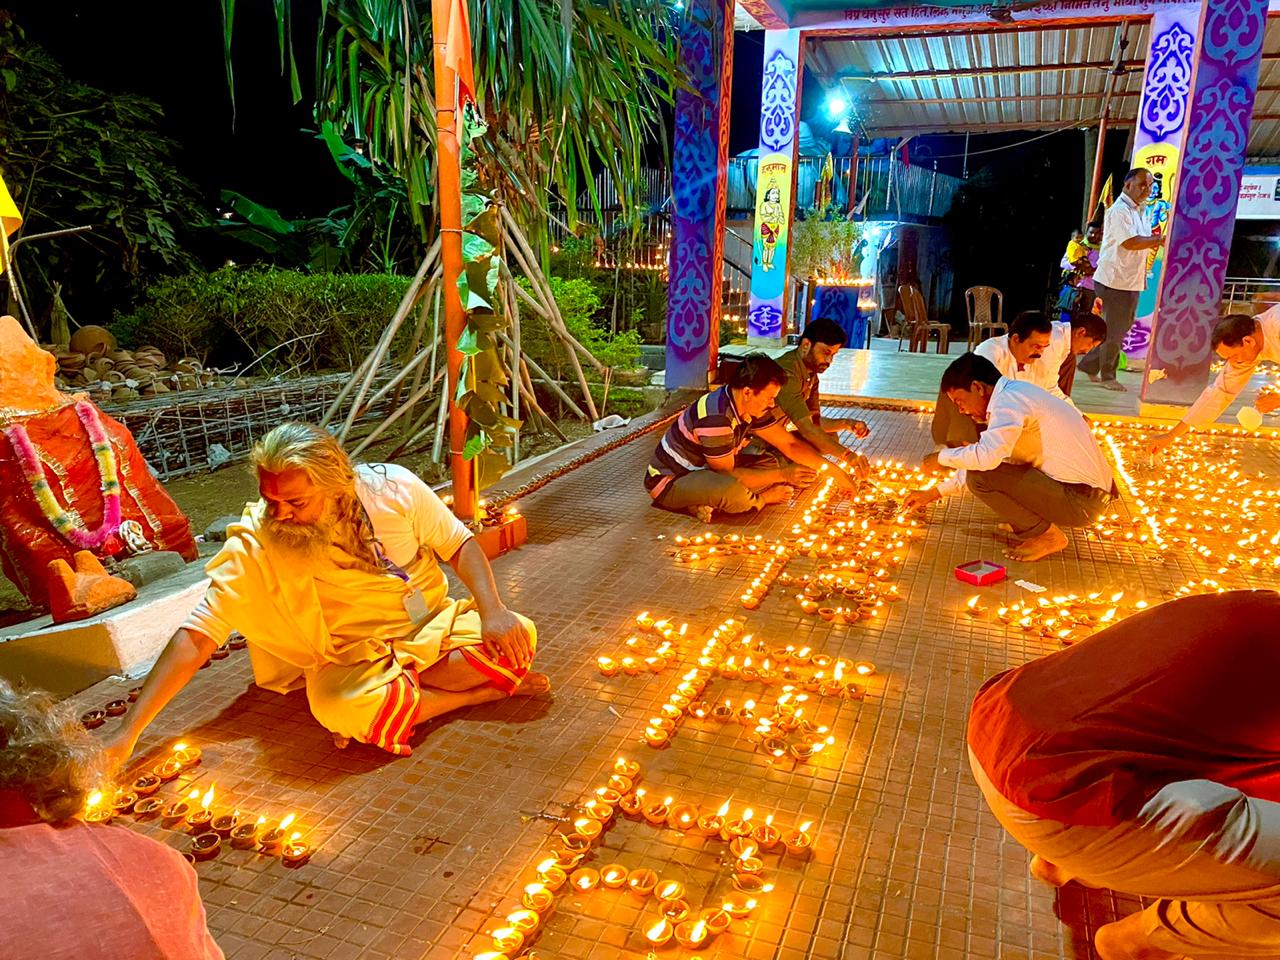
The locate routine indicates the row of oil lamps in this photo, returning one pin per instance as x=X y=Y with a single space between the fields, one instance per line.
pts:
x=673 y=920
x=196 y=815
x=1227 y=516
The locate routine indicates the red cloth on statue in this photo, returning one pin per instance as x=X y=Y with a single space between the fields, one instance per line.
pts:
x=1183 y=691
x=28 y=541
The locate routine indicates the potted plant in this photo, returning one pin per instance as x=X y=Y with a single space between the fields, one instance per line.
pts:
x=826 y=247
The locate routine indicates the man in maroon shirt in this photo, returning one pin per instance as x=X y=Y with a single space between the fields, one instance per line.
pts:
x=74 y=890
x=1146 y=759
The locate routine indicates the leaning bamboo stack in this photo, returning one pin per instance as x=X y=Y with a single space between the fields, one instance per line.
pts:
x=411 y=386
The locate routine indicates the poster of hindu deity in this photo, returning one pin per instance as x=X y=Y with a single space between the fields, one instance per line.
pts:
x=1162 y=160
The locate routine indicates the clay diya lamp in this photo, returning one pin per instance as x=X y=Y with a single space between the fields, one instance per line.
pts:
x=613 y=876
x=93 y=719
x=608 y=796
x=669 y=890
x=224 y=823
x=632 y=804
x=598 y=811
x=821 y=661
x=662 y=723
x=205 y=846
x=568 y=859
x=738 y=905
x=741 y=827
x=655 y=664
x=799 y=842
x=669 y=711
x=642 y=881
x=782 y=654
x=660 y=933
x=699 y=709
x=808 y=606
x=692 y=934
x=813 y=684
x=575 y=844
x=775 y=747
x=620 y=783
x=146 y=785
x=551 y=874
x=680 y=701
x=147 y=807
x=588 y=827
x=800 y=657
x=584 y=878
x=644 y=622
x=221 y=653
x=748 y=864
x=831 y=688
x=244 y=836
x=167 y=770
x=123 y=801
x=117 y=708
x=747 y=713
x=237 y=641
x=537 y=897
x=722 y=712
x=273 y=839
x=710 y=825
x=656 y=812
x=717 y=921
x=632 y=667
x=186 y=755
x=864 y=668
x=683 y=816
x=674 y=910
x=507 y=941
x=608 y=666
x=197 y=820
x=526 y=921
x=656 y=736
x=766 y=834
x=95 y=811
x=751 y=884
x=134 y=694
x=178 y=809
x=729 y=669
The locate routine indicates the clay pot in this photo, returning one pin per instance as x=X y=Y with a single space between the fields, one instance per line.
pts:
x=92 y=339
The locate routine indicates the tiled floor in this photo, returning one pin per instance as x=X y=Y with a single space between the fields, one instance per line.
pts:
x=418 y=857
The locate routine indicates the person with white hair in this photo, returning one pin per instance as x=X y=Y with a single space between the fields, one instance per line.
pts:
x=333 y=577
x=145 y=901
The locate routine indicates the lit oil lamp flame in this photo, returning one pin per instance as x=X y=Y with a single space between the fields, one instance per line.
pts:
x=207 y=799
x=94 y=799
x=724 y=809
x=287 y=821
x=804 y=827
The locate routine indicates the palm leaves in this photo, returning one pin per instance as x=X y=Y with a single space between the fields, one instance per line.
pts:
x=566 y=87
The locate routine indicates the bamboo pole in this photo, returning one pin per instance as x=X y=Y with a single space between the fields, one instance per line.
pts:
x=449 y=181
x=428 y=298
x=408 y=368
x=396 y=415
x=436 y=442
x=513 y=315
x=555 y=387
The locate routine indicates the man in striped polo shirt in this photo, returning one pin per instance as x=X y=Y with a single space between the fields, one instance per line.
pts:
x=698 y=467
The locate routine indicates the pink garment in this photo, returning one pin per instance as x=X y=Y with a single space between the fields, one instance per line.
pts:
x=77 y=890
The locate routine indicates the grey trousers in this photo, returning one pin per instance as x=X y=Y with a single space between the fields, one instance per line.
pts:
x=719 y=491
x=1208 y=854
x=1119 y=308
x=950 y=427
x=1029 y=500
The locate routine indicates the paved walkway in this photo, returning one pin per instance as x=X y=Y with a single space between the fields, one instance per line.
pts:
x=418 y=857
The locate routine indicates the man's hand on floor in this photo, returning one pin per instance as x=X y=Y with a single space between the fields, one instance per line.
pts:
x=505 y=635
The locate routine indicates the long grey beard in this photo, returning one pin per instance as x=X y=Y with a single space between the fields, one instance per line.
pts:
x=308 y=541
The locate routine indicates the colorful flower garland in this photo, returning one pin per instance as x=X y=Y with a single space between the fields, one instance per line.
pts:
x=107 y=473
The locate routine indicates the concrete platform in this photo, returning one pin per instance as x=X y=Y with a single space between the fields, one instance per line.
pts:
x=67 y=658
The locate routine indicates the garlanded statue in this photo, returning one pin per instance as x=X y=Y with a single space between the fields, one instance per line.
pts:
x=74 y=489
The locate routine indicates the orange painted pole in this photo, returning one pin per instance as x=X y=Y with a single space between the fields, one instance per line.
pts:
x=449 y=190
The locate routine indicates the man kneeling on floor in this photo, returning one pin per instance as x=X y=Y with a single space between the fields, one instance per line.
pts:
x=698 y=466
x=1036 y=465
x=332 y=577
x=1146 y=760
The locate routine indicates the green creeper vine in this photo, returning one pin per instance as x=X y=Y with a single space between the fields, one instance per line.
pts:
x=483 y=385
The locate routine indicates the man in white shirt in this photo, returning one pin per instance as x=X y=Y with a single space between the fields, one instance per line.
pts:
x=1035 y=350
x=1037 y=464
x=1243 y=341
x=1122 y=272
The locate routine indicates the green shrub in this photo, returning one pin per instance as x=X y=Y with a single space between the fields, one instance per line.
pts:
x=580 y=305
x=296 y=320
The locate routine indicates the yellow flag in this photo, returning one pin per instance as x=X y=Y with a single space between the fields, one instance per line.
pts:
x=10 y=218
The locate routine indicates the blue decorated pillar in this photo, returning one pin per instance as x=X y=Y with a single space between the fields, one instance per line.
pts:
x=1226 y=58
x=699 y=166
x=775 y=181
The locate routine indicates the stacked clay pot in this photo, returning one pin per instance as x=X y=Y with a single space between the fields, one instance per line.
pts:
x=92 y=361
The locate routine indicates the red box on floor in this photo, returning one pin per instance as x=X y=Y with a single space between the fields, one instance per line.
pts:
x=503 y=537
x=980 y=572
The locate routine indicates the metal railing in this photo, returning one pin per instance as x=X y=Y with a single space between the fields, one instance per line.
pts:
x=885 y=187
x=1249 y=294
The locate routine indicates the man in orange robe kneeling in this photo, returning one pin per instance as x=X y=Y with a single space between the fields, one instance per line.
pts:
x=333 y=579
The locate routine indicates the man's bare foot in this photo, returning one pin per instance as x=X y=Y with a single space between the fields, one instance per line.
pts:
x=1007 y=530
x=1051 y=541
x=703 y=513
x=340 y=741
x=533 y=685
x=1125 y=940
x=1093 y=377
x=1115 y=385
x=780 y=493
x=1049 y=873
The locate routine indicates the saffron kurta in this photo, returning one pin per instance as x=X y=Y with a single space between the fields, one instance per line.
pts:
x=341 y=630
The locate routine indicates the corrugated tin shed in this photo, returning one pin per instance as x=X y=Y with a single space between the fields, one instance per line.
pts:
x=1010 y=78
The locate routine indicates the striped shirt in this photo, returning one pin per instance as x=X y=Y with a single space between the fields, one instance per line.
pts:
x=708 y=429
